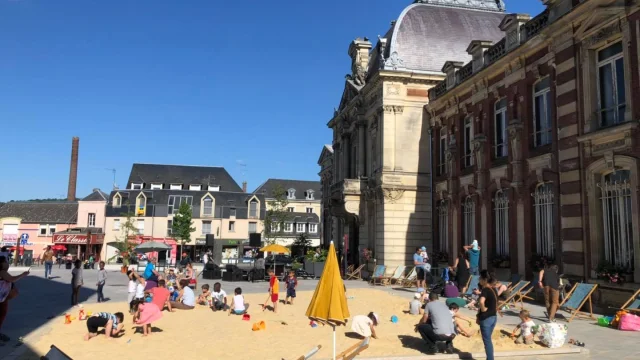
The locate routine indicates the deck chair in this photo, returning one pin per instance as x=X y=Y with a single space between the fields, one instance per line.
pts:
x=518 y=293
x=354 y=350
x=472 y=283
x=378 y=274
x=55 y=354
x=409 y=279
x=310 y=353
x=350 y=268
x=355 y=274
x=576 y=298
x=633 y=304
x=397 y=275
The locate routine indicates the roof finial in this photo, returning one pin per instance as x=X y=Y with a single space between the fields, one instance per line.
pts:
x=489 y=5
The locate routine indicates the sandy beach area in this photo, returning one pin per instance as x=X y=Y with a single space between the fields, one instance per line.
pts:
x=201 y=333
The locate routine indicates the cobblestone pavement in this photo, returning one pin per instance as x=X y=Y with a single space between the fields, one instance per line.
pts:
x=41 y=299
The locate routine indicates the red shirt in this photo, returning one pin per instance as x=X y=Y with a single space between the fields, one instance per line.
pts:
x=160 y=296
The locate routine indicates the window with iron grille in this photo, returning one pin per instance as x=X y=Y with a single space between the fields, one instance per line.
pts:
x=443 y=225
x=501 y=214
x=616 y=217
x=467 y=155
x=442 y=153
x=543 y=200
x=469 y=220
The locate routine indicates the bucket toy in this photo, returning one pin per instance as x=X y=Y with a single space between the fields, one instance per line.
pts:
x=313 y=324
x=67 y=319
x=259 y=326
x=82 y=315
x=246 y=317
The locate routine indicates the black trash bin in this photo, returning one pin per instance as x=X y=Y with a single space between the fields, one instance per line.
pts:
x=67 y=265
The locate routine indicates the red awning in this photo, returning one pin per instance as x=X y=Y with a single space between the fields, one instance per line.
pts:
x=78 y=239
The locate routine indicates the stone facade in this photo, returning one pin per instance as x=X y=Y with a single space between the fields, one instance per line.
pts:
x=536 y=143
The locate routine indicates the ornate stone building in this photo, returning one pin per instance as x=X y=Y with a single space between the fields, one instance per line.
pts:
x=536 y=141
x=378 y=175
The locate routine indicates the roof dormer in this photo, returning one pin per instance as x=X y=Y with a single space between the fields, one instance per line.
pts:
x=450 y=68
x=476 y=49
x=291 y=194
x=511 y=25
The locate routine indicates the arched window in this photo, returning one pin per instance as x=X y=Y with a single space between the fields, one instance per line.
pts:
x=615 y=198
x=253 y=208
x=141 y=204
x=207 y=206
x=501 y=210
x=469 y=220
x=543 y=200
x=443 y=225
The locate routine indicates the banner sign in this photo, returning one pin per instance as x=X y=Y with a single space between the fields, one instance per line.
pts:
x=77 y=239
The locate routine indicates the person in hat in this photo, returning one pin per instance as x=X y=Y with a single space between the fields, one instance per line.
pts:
x=365 y=325
x=415 y=306
x=474 y=257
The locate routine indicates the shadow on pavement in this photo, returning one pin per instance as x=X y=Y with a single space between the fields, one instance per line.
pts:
x=39 y=302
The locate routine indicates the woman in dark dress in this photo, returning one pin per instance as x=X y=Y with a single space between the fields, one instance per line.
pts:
x=461 y=267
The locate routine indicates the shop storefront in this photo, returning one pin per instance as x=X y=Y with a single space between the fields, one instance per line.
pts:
x=80 y=245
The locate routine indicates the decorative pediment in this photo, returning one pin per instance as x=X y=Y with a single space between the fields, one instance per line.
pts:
x=350 y=92
x=591 y=30
x=326 y=154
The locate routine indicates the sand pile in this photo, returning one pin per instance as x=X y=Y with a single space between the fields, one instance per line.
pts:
x=201 y=333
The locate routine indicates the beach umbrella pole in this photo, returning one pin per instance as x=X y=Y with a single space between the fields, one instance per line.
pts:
x=334 y=342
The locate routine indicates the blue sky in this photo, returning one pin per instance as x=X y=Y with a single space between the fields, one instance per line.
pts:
x=248 y=85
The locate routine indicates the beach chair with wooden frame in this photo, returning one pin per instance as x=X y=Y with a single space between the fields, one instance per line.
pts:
x=354 y=350
x=378 y=274
x=56 y=354
x=310 y=353
x=518 y=293
x=472 y=283
x=397 y=275
x=633 y=304
x=355 y=274
x=576 y=298
x=409 y=279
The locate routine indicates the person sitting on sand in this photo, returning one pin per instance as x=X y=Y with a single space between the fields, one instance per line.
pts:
x=473 y=302
x=365 y=325
x=274 y=290
x=186 y=297
x=205 y=297
x=218 y=297
x=526 y=325
x=238 y=306
x=172 y=278
x=459 y=320
x=160 y=296
x=112 y=324
x=144 y=314
x=416 y=306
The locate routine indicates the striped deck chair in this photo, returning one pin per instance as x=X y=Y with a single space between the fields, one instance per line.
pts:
x=397 y=275
x=378 y=274
x=518 y=293
x=355 y=274
x=633 y=304
x=354 y=350
x=310 y=353
x=409 y=279
x=473 y=282
x=576 y=298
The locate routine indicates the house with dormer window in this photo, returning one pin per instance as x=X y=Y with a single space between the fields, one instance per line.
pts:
x=304 y=208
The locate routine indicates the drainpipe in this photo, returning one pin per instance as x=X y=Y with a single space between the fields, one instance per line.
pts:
x=430 y=132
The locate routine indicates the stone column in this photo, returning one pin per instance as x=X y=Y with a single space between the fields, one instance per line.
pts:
x=345 y=157
x=521 y=245
x=362 y=157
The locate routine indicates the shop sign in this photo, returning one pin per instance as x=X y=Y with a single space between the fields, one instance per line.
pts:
x=77 y=239
x=9 y=243
x=201 y=242
x=10 y=237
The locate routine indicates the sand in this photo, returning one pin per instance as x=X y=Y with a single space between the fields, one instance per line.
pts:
x=203 y=334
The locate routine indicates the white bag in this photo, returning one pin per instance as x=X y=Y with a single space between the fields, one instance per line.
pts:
x=552 y=335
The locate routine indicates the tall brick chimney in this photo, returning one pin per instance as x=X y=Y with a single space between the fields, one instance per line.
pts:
x=73 y=171
x=244 y=186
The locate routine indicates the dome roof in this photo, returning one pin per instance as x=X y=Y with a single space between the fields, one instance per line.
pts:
x=430 y=32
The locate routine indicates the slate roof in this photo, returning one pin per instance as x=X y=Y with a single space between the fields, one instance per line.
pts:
x=301 y=186
x=426 y=35
x=96 y=195
x=182 y=174
x=42 y=213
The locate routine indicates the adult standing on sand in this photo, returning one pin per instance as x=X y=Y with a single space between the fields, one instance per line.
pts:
x=474 y=257
x=47 y=258
x=418 y=261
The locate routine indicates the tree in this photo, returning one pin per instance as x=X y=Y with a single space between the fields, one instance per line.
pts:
x=302 y=242
x=183 y=225
x=276 y=215
x=124 y=244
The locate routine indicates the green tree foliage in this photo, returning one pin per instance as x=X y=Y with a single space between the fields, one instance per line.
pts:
x=124 y=245
x=276 y=215
x=183 y=225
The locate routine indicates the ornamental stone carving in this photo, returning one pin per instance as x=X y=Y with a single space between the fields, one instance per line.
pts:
x=397 y=109
x=394 y=62
x=479 y=144
x=392 y=195
x=602 y=35
x=515 y=138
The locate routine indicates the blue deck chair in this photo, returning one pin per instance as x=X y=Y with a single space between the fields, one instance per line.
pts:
x=473 y=282
x=576 y=298
x=633 y=304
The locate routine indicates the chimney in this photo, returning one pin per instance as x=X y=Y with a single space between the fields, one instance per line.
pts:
x=73 y=171
x=244 y=186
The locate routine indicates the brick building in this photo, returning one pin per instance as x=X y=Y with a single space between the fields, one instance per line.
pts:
x=536 y=141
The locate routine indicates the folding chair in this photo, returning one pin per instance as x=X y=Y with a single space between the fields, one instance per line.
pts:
x=472 y=283
x=518 y=293
x=397 y=275
x=55 y=354
x=378 y=274
x=576 y=298
x=409 y=279
x=310 y=353
x=633 y=304
x=355 y=274
x=354 y=350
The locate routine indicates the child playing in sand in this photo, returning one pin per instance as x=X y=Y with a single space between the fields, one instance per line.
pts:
x=219 y=297
x=274 y=290
x=172 y=279
x=76 y=281
x=475 y=295
x=238 y=306
x=416 y=306
x=525 y=326
x=292 y=283
x=138 y=294
x=205 y=297
x=144 y=314
x=365 y=325
x=112 y=324
x=459 y=320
